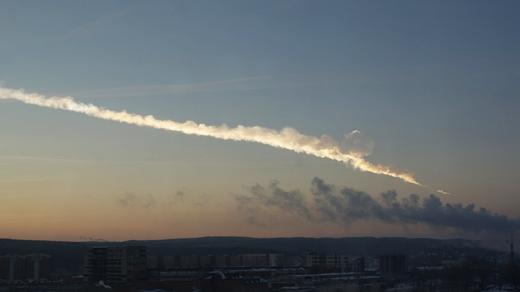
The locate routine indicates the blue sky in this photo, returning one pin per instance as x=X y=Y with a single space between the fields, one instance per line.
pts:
x=433 y=84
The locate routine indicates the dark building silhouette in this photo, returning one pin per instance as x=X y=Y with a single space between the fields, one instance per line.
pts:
x=358 y=264
x=327 y=262
x=392 y=264
x=193 y=261
x=32 y=267
x=114 y=265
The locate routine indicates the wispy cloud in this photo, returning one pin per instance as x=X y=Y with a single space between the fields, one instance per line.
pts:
x=132 y=200
x=40 y=158
x=244 y=83
x=25 y=180
x=94 y=25
x=176 y=198
x=443 y=192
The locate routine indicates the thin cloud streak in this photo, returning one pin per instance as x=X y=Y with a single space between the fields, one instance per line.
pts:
x=40 y=158
x=287 y=138
x=173 y=89
x=25 y=180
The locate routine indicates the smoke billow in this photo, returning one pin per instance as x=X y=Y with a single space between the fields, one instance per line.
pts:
x=357 y=144
x=273 y=196
x=288 y=138
x=329 y=203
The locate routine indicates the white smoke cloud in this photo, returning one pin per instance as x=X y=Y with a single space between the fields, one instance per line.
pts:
x=287 y=138
x=357 y=144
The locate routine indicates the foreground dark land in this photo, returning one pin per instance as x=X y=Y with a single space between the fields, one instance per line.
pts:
x=252 y=264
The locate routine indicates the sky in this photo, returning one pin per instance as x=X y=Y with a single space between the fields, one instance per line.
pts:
x=433 y=85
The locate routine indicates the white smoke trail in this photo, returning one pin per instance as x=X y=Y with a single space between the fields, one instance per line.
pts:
x=287 y=138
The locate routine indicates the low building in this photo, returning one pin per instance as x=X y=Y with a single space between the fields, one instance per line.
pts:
x=331 y=262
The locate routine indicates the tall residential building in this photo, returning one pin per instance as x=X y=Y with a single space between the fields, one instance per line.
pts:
x=116 y=264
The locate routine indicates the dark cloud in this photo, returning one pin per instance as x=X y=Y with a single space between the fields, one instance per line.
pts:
x=329 y=203
x=149 y=201
x=274 y=196
x=176 y=198
x=132 y=200
x=127 y=199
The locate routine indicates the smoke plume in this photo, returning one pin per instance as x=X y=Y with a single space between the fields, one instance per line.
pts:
x=287 y=138
x=329 y=203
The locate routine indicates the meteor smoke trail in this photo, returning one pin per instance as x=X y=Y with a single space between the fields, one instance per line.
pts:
x=287 y=138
